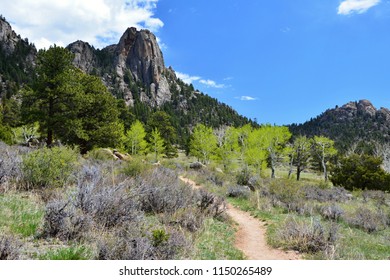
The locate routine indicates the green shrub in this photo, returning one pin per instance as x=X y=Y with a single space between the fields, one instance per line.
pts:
x=5 y=134
x=49 y=167
x=136 y=167
x=159 y=236
x=360 y=172
x=288 y=192
x=101 y=154
x=70 y=253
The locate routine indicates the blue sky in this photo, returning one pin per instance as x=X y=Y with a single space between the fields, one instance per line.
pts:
x=278 y=61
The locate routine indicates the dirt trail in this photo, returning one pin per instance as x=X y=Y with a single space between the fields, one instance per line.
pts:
x=250 y=236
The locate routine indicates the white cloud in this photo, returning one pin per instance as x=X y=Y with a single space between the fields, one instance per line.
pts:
x=99 y=22
x=187 y=78
x=356 y=6
x=211 y=83
x=247 y=98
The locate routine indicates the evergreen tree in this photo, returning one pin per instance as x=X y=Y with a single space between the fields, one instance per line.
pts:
x=53 y=99
x=162 y=121
x=71 y=106
x=97 y=121
x=360 y=172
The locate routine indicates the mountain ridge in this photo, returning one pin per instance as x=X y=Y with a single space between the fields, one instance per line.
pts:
x=353 y=122
x=133 y=70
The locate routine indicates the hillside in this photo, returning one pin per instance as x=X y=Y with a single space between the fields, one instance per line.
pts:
x=133 y=70
x=353 y=122
x=17 y=60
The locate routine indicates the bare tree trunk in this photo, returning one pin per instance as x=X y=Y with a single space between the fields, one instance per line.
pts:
x=272 y=172
x=291 y=164
x=325 y=170
x=299 y=173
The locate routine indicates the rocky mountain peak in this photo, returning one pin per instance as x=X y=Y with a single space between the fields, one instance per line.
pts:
x=8 y=37
x=139 y=52
x=366 y=107
x=353 y=108
x=84 y=56
x=136 y=59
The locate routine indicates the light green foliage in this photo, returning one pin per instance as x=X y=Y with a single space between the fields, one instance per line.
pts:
x=243 y=134
x=274 y=140
x=323 y=150
x=156 y=143
x=255 y=153
x=228 y=147
x=135 y=138
x=24 y=134
x=49 y=167
x=203 y=143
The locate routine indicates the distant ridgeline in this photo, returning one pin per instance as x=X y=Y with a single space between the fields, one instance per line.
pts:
x=355 y=122
x=133 y=70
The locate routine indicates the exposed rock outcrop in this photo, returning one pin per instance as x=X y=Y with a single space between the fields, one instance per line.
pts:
x=8 y=37
x=136 y=59
x=84 y=56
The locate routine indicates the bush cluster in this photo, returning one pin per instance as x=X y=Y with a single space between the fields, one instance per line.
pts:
x=9 y=248
x=130 y=218
x=238 y=191
x=308 y=237
x=334 y=194
x=368 y=220
x=49 y=167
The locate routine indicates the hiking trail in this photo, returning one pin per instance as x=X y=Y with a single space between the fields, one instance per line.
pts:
x=250 y=235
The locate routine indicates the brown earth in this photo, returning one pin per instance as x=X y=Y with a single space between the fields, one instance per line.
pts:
x=250 y=235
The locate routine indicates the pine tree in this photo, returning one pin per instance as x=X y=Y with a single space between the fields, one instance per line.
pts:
x=71 y=106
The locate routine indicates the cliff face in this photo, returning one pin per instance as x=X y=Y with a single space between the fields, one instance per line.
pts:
x=135 y=60
x=17 y=59
x=8 y=37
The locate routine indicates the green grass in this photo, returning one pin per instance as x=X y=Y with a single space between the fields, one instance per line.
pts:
x=68 y=253
x=20 y=213
x=216 y=242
